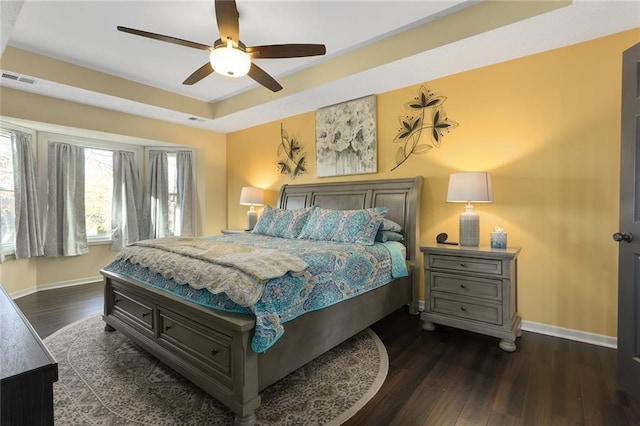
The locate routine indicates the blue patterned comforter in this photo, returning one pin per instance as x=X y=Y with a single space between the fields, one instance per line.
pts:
x=337 y=271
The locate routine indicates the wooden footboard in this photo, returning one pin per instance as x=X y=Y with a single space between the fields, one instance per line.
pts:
x=212 y=349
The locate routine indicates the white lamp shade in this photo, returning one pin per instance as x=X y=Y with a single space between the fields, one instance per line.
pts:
x=250 y=196
x=470 y=187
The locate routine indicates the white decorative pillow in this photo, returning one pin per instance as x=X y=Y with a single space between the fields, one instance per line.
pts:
x=282 y=223
x=344 y=226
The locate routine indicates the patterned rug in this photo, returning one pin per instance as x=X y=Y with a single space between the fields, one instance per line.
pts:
x=105 y=379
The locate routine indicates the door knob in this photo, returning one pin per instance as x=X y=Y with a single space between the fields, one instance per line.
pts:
x=622 y=236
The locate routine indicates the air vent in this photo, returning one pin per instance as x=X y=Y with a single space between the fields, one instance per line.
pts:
x=17 y=78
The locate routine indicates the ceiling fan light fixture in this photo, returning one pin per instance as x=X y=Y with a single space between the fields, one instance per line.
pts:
x=230 y=61
x=228 y=55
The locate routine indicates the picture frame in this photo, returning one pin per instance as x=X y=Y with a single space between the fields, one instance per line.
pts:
x=346 y=138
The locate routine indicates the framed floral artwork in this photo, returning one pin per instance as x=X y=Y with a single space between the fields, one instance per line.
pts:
x=346 y=138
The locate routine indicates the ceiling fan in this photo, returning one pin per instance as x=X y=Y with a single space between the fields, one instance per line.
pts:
x=229 y=56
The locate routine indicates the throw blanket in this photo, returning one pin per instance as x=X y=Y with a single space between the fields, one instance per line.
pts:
x=237 y=270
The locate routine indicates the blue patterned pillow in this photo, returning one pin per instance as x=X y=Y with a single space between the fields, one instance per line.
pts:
x=344 y=226
x=383 y=236
x=282 y=223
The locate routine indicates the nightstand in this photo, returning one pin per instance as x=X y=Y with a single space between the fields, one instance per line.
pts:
x=234 y=231
x=472 y=288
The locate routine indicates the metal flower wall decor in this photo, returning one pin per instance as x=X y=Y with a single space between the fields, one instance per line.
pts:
x=426 y=104
x=292 y=160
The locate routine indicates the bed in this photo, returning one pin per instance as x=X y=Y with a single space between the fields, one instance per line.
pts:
x=212 y=348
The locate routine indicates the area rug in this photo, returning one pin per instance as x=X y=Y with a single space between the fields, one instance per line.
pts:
x=105 y=379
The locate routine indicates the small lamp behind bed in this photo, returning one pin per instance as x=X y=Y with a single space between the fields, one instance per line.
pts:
x=250 y=196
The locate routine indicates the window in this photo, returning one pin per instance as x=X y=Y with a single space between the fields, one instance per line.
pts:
x=7 y=201
x=98 y=184
x=98 y=188
x=98 y=192
x=169 y=210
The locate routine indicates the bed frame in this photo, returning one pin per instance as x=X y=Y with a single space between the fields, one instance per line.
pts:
x=212 y=348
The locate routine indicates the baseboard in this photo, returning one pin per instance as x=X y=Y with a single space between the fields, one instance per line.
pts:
x=563 y=333
x=22 y=293
x=567 y=333
x=51 y=286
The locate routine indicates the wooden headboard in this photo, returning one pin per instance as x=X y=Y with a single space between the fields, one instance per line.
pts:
x=400 y=196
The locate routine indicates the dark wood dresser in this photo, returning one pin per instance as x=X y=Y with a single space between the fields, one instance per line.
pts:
x=27 y=370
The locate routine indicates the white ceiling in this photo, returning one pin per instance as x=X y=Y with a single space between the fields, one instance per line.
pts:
x=84 y=33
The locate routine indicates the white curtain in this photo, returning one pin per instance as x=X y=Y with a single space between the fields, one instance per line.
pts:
x=1 y=253
x=28 y=234
x=126 y=209
x=1 y=221
x=184 y=207
x=65 y=231
x=155 y=214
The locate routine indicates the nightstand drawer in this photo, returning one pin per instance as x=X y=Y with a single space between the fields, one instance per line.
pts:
x=473 y=310
x=467 y=264
x=467 y=286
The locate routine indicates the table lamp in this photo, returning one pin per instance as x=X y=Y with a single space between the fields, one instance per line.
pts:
x=250 y=196
x=468 y=187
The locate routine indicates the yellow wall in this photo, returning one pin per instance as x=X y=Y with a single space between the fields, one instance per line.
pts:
x=547 y=128
x=20 y=276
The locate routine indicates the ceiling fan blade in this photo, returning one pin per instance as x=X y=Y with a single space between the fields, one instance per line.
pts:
x=199 y=74
x=261 y=76
x=227 y=19
x=165 y=38
x=286 y=51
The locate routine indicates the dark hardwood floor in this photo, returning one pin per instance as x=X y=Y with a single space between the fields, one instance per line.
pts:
x=50 y=310
x=445 y=377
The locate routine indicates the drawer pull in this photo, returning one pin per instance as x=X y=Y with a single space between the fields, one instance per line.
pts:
x=116 y=301
x=167 y=327
x=214 y=352
x=463 y=308
x=464 y=265
x=463 y=285
x=144 y=314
